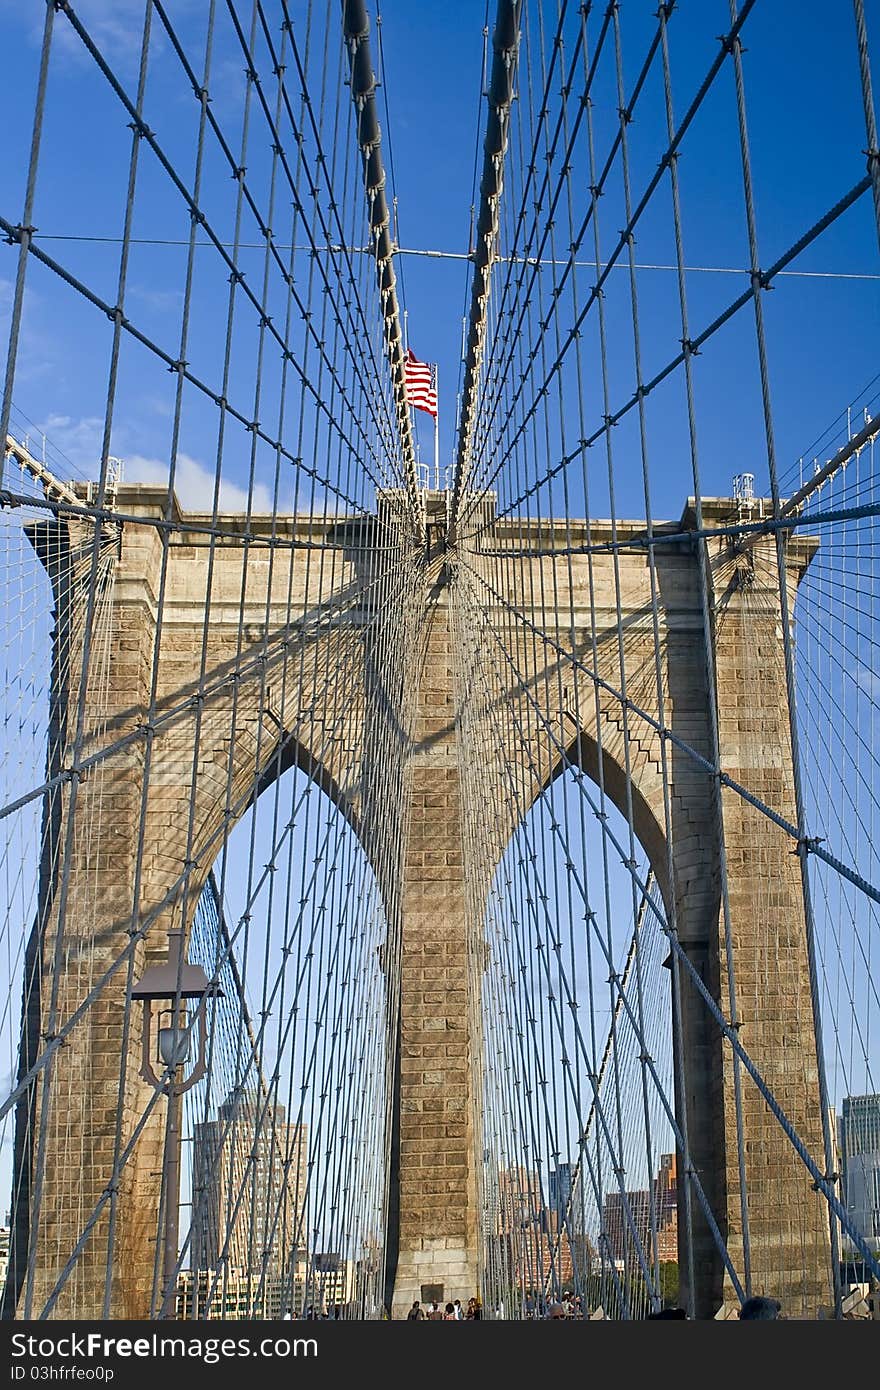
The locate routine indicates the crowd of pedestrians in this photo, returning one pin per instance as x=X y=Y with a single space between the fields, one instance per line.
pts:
x=570 y=1307
x=452 y=1312
x=537 y=1309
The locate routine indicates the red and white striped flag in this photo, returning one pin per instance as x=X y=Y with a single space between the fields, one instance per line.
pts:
x=421 y=384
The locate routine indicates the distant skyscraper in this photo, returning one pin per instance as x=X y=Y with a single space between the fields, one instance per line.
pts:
x=519 y=1199
x=533 y=1244
x=620 y=1217
x=491 y=1197
x=248 y=1185
x=566 y=1186
x=233 y=1296
x=860 y=1155
x=559 y=1189
x=666 y=1179
x=666 y=1201
x=328 y=1280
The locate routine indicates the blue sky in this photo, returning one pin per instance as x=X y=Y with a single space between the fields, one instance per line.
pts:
x=807 y=139
x=807 y=142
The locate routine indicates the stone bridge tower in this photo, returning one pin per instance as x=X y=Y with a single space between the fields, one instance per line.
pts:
x=281 y=616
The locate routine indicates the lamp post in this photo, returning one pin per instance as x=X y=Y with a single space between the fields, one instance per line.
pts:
x=172 y=983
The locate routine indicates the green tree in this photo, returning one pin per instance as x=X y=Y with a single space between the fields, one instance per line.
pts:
x=669 y=1283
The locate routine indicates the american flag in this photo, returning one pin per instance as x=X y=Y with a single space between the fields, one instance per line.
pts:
x=421 y=384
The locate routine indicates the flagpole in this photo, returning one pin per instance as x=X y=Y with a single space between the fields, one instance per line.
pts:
x=436 y=430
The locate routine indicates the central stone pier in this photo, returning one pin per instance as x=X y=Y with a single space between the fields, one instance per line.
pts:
x=437 y=1255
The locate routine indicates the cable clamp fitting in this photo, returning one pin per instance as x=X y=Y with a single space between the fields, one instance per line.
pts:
x=829 y=1178
x=18 y=233
x=807 y=843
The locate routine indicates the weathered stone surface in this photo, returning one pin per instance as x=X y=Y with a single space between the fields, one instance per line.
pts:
x=285 y=623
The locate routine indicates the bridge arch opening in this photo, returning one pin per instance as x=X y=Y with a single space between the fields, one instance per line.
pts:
x=36 y=597
x=578 y=1176
x=610 y=784
x=284 y=1188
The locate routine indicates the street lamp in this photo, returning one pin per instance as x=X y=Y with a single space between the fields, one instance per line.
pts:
x=174 y=981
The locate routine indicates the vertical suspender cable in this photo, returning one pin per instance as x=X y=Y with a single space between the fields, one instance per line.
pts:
x=356 y=27
x=505 y=43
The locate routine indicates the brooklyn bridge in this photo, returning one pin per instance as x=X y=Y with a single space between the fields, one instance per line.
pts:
x=439 y=774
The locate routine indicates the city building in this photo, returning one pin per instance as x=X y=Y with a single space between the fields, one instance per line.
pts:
x=860 y=1159
x=567 y=1187
x=491 y=1197
x=328 y=1282
x=231 y=1295
x=519 y=1199
x=618 y=1224
x=666 y=1198
x=534 y=1246
x=248 y=1187
x=559 y=1189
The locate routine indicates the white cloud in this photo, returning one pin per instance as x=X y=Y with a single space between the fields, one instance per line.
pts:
x=162 y=301
x=194 y=484
x=36 y=346
x=868 y=681
x=78 y=440
x=115 y=26
x=104 y=19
